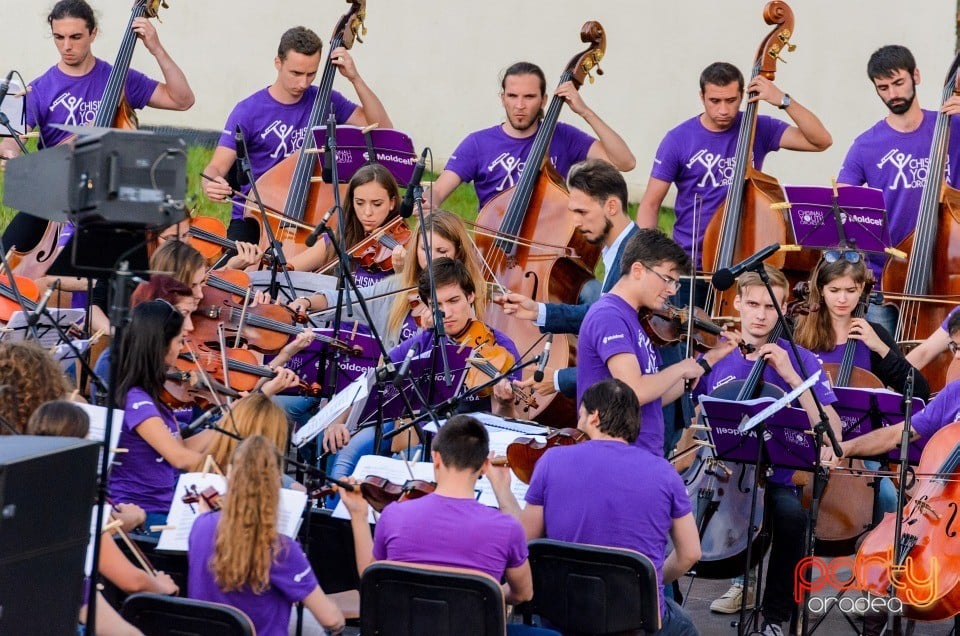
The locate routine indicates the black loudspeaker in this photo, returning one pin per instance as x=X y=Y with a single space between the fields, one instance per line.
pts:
x=47 y=487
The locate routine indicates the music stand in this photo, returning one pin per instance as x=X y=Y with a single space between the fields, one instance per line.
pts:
x=355 y=146
x=863 y=410
x=862 y=221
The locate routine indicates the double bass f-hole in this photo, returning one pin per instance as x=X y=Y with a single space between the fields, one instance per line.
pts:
x=536 y=282
x=953 y=516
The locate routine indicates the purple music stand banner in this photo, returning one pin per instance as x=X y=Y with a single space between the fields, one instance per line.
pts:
x=863 y=217
x=393 y=148
x=789 y=444
x=864 y=410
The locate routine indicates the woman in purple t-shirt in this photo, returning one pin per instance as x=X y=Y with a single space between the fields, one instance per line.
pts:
x=236 y=556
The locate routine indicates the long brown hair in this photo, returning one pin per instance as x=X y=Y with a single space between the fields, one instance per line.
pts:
x=247 y=539
x=353 y=230
x=451 y=227
x=815 y=330
x=255 y=414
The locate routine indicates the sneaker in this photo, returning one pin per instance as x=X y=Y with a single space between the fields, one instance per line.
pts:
x=771 y=629
x=729 y=603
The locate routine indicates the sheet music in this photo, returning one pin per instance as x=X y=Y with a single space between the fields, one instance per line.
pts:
x=107 y=509
x=65 y=353
x=394 y=470
x=49 y=338
x=356 y=392
x=495 y=422
x=306 y=283
x=98 y=428
x=182 y=516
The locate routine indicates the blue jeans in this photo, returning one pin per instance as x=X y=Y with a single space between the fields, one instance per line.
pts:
x=343 y=463
x=674 y=621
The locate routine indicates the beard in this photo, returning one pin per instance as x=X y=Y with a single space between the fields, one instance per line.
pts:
x=900 y=105
x=602 y=236
x=521 y=126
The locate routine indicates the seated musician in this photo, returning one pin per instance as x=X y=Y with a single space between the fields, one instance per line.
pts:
x=463 y=532
x=758 y=318
x=245 y=254
x=237 y=557
x=936 y=343
x=29 y=376
x=942 y=410
x=455 y=295
x=598 y=207
x=613 y=344
x=630 y=498
x=274 y=119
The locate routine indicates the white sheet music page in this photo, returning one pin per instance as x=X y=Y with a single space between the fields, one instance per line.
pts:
x=355 y=393
x=98 y=427
x=394 y=470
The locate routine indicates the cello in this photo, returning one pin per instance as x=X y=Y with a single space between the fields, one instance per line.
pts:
x=530 y=242
x=290 y=185
x=934 y=246
x=747 y=221
x=113 y=112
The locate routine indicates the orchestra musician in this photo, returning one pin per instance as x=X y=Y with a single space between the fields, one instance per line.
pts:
x=633 y=498
x=613 y=344
x=237 y=557
x=455 y=296
x=788 y=519
x=892 y=154
x=463 y=532
x=598 y=205
x=29 y=376
x=273 y=119
x=494 y=157
x=696 y=155
x=70 y=92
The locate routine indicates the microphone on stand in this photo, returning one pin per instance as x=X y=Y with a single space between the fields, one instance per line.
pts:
x=311 y=239
x=723 y=279
x=405 y=367
x=37 y=313
x=198 y=423
x=544 y=358
x=5 y=86
x=406 y=206
x=327 y=172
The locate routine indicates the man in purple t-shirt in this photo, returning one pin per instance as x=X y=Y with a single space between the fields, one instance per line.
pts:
x=698 y=155
x=613 y=344
x=463 y=533
x=894 y=154
x=274 y=120
x=494 y=158
x=632 y=499
x=787 y=518
x=70 y=92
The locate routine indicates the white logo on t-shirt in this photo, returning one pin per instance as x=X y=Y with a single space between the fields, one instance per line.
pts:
x=282 y=132
x=615 y=336
x=79 y=112
x=137 y=405
x=911 y=172
x=719 y=170
x=299 y=577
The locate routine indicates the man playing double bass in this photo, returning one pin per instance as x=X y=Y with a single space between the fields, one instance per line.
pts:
x=274 y=119
x=494 y=157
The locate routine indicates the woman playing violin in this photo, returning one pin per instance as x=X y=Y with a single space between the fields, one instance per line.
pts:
x=237 y=556
x=372 y=201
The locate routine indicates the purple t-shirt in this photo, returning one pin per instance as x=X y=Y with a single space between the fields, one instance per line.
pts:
x=58 y=98
x=609 y=493
x=702 y=162
x=897 y=163
x=611 y=327
x=365 y=277
x=942 y=410
x=141 y=475
x=736 y=367
x=861 y=355
x=494 y=160
x=291 y=580
x=273 y=131
x=452 y=532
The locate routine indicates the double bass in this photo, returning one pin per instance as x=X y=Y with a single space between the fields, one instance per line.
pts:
x=113 y=112
x=747 y=221
x=529 y=240
x=934 y=246
x=291 y=184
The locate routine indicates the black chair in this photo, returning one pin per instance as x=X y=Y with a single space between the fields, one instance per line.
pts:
x=586 y=589
x=401 y=599
x=159 y=615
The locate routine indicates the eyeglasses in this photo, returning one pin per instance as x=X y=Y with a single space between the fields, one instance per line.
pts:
x=851 y=256
x=668 y=280
x=954 y=347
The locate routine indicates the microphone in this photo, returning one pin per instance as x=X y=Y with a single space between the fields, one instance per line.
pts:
x=327 y=172
x=405 y=367
x=241 y=144
x=723 y=279
x=198 y=423
x=35 y=316
x=5 y=86
x=544 y=358
x=406 y=206
x=311 y=240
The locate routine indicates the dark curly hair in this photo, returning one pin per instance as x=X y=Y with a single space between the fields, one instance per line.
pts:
x=29 y=376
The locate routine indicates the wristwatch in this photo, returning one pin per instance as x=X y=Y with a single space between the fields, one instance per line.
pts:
x=785 y=101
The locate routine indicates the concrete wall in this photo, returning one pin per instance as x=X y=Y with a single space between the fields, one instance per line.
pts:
x=436 y=64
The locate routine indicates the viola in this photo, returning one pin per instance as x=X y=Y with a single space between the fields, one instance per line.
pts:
x=113 y=112
x=524 y=453
x=668 y=325
x=291 y=185
x=492 y=360
x=530 y=242
x=929 y=538
x=747 y=222
x=243 y=370
x=375 y=252
x=8 y=299
x=185 y=388
x=934 y=246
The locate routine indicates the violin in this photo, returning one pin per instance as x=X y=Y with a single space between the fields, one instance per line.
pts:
x=492 y=360
x=209 y=236
x=375 y=252
x=668 y=325
x=113 y=112
x=209 y=495
x=243 y=370
x=380 y=491
x=185 y=388
x=524 y=452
